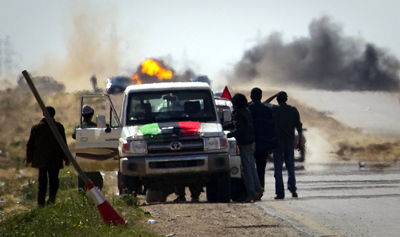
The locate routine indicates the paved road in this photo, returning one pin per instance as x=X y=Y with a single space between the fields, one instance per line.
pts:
x=372 y=112
x=340 y=199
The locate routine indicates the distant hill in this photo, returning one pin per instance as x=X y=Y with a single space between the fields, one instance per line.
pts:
x=44 y=84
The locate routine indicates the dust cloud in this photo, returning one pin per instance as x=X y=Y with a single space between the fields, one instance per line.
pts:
x=326 y=59
x=93 y=47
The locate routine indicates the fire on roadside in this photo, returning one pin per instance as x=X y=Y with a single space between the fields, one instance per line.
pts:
x=152 y=68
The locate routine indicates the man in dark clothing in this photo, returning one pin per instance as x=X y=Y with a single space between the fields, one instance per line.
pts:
x=264 y=132
x=287 y=118
x=242 y=129
x=87 y=114
x=45 y=153
x=195 y=191
x=95 y=177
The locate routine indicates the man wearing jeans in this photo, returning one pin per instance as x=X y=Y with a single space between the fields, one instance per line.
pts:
x=242 y=130
x=287 y=118
x=264 y=132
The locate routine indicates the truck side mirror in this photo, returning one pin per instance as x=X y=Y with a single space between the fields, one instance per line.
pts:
x=226 y=115
x=108 y=129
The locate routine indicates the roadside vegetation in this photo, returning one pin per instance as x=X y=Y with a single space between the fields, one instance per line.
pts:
x=74 y=214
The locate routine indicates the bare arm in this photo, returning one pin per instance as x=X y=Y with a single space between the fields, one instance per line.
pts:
x=270 y=98
x=300 y=143
x=299 y=128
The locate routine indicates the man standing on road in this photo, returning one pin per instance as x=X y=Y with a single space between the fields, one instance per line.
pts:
x=45 y=153
x=264 y=132
x=287 y=118
x=242 y=130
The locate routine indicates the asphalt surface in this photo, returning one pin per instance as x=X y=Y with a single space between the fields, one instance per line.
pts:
x=340 y=199
x=372 y=112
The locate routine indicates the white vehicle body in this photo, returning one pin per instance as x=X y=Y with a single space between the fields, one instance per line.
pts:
x=235 y=163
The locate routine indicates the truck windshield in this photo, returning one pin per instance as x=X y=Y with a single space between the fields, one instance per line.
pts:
x=169 y=106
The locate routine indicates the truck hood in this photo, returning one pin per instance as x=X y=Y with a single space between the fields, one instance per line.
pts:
x=173 y=129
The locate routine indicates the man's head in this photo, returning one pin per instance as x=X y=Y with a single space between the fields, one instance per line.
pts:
x=256 y=94
x=239 y=101
x=281 y=97
x=87 y=111
x=51 y=111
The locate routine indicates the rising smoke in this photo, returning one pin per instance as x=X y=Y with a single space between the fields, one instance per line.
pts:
x=92 y=48
x=324 y=60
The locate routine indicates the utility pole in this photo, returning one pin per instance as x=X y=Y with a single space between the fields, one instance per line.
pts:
x=8 y=56
x=1 y=57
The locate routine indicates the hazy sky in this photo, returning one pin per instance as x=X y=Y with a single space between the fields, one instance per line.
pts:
x=208 y=36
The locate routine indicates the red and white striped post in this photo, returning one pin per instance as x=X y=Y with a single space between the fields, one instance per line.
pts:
x=107 y=212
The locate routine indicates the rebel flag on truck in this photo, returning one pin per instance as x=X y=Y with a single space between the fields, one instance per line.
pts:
x=226 y=94
x=161 y=130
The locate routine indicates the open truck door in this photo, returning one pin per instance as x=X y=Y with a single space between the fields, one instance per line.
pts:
x=96 y=146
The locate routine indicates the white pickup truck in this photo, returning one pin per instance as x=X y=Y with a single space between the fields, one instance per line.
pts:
x=167 y=134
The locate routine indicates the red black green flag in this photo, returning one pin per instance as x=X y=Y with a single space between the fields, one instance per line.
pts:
x=170 y=129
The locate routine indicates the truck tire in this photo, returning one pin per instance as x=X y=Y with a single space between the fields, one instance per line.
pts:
x=218 y=189
x=128 y=184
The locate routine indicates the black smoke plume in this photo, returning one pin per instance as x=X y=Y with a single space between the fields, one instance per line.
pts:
x=323 y=60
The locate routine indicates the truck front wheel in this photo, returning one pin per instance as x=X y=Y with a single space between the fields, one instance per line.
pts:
x=128 y=184
x=218 y=189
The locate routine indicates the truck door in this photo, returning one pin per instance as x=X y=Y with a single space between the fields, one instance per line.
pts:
x=96 y=145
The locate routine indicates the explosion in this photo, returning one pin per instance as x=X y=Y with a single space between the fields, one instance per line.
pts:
x=151 y=68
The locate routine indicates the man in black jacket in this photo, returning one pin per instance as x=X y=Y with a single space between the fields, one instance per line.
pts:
x=264 y=132
x=242 y=130
x=287 y=119
x=44 y=152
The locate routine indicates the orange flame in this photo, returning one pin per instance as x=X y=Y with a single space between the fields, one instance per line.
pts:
x=152 y=68
x=136 y=78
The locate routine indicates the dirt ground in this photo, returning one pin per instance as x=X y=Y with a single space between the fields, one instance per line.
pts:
x=207 y=219
x=214 y=219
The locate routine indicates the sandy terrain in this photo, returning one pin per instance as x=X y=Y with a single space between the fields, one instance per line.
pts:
x=220 y=219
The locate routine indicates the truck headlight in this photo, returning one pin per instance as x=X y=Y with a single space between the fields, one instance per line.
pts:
x=135 y=146
x=215 y=143
x=234 y=170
